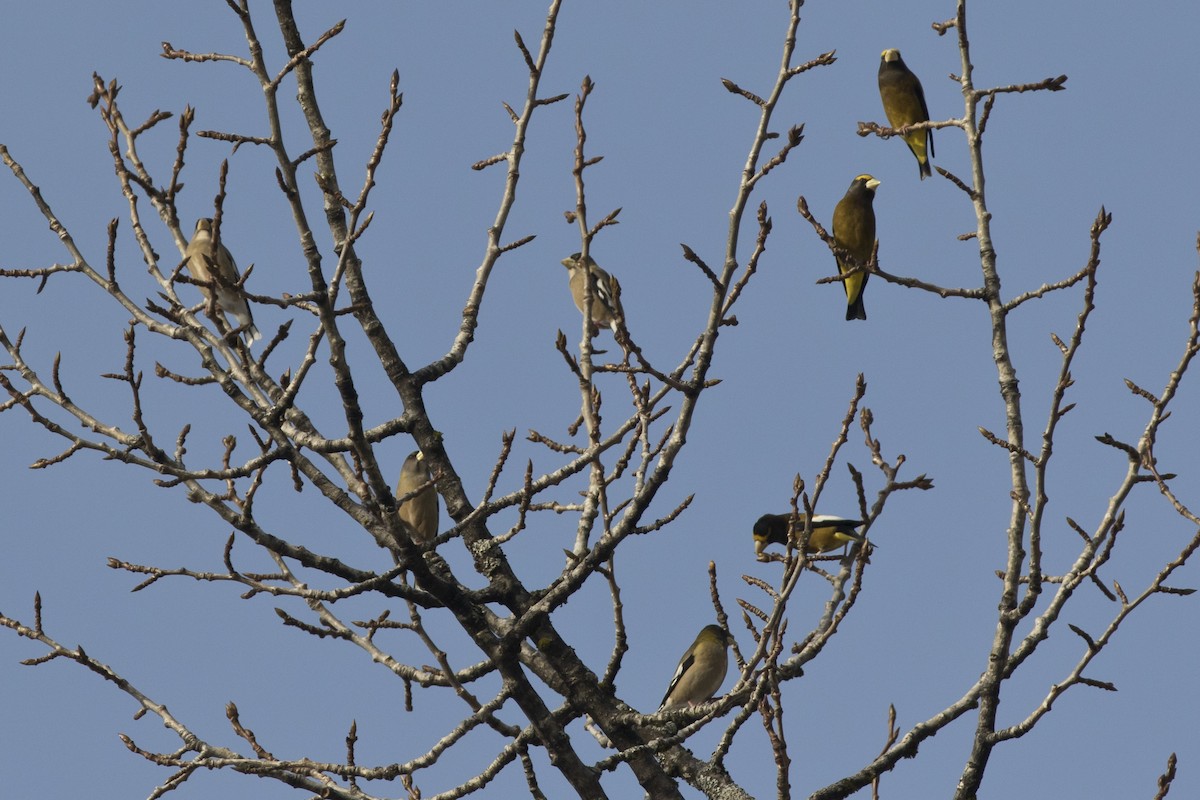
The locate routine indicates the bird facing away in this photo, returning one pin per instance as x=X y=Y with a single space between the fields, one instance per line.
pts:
x=854 y=230
x=215 y=270
x=606 y=292
x=701 y=671
x=420 y=512
x=828 y=533
x=904 y=103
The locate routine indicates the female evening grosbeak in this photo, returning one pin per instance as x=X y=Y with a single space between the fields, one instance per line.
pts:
x=215 y=271
x=606 y=292
x=701 y=671
x=419 y=512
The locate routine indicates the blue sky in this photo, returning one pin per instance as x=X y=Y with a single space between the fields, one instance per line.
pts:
x=674 y=142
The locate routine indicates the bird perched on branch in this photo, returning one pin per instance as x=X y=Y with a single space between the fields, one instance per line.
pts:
x=701 y=671
x=419 y=512
x=606 y=292
x=904 y=103
x=214 y=269
x=828 y=533
x=854 y=230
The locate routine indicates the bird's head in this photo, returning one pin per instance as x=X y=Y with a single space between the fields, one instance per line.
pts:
x=768 y=530
x=715 y=634
x=576 y=260
x=869 y=183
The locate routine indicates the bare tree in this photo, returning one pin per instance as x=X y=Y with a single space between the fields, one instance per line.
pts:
x=493 y=638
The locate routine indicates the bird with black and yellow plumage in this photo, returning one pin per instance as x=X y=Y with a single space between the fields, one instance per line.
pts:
x=854 y=231
x=828 y=532
x=904 y=103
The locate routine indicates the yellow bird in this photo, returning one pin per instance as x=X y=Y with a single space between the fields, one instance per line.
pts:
x=828 y=533
x=606 y=292
x=904 y=103
x=701 y=671
x=216 y=271
x=854 y=230
x=419 y=512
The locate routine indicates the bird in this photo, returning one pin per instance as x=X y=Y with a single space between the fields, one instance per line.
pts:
x=419 y=512
x=215 y=270
x=606 y=292
x=828 y=532
x=701 y=671
x=904 y=103
x=854 y=230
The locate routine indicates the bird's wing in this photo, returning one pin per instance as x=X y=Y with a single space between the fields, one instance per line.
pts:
x=685 y=665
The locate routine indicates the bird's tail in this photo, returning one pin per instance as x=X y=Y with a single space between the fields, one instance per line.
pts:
x=856 y=310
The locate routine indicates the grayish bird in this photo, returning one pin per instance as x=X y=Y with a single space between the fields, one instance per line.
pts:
x=215 y=270
x=606 y=292
x=701 y=671
x=420 y=512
